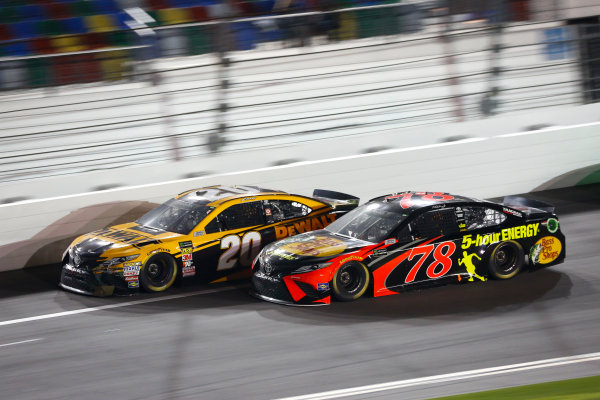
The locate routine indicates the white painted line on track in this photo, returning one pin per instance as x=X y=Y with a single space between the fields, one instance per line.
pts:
x=505 y=369
x=119 y=305
x=21 y=342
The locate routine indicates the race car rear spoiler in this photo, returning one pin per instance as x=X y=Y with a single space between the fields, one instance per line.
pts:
x=339 y=201
x=518 y=201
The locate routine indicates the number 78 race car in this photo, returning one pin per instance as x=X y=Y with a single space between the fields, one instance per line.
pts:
x=211 y=234
x=405 y=240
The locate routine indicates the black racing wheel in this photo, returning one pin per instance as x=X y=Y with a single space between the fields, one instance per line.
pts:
x=506 y=260
x=159 y=273
x=350 y=281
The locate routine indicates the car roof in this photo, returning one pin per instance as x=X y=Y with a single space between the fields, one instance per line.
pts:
x=415 y=200
x=221 y=193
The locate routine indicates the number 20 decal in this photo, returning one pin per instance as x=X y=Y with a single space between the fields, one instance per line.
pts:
x=244 y=250
x=441 y=258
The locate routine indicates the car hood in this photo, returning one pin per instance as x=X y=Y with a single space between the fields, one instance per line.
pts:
x=120 y=238
x=308 y=248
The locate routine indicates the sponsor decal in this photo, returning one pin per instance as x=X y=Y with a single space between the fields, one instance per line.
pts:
x=380 y=252
x=512 y=212
x=187 y=243
x=281 y=253
x=132 y=268
x=545 y=250
x=516 y=232
x=305 y=225
x=267 y=211
x=248 y=198
x=467 y=261
x=124 y=236
x=186 y=250
x=131 y=278
x=78 y=271
x=133 y=284
x=316 y=246
x=390 y=241
x=552 y=225
x=200 y=233
x=186 y=257
x=158 y=251
x=351 y=258
x=323 y=286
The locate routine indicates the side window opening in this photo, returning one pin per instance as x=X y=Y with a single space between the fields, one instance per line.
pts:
x=242 y=215
x=435 y=223
x=213 y=226
x=481 y=217
x=280 y=210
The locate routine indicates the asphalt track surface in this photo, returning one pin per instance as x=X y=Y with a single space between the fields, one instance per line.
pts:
x=217 y=342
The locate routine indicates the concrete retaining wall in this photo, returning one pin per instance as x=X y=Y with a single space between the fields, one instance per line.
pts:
x=36 y=232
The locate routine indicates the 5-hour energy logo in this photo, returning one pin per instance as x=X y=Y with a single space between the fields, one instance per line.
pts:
x=516 y=232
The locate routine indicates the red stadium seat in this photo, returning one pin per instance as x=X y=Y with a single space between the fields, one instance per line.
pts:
x=199 y=13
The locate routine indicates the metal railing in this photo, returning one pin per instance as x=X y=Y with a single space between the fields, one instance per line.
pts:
x=220 y=97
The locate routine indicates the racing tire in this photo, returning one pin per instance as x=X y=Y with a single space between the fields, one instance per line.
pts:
x=350 y=281
x=506 y=260
x=159 y=273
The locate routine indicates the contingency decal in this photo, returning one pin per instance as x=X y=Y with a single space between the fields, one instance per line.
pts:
x=316 y=246
x=132 y=268
x=467 y=261
x=305 y=225
x=545 y=250
x=188 y=268
x=515 y=232
x=131 y=273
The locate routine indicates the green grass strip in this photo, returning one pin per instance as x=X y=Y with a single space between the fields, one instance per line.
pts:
x=573 y=389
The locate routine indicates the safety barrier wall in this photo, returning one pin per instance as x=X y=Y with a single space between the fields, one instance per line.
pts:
x=37 y=232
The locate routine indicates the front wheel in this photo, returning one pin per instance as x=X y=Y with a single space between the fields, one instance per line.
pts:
x=506 y=260
x=159 y=273
x=350 y=281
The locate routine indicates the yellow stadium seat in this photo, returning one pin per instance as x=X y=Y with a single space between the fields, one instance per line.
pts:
x=170 y=16
x=348 y=26
x=66 y=44
x=100 y=23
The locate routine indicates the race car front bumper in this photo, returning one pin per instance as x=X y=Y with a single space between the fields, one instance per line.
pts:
x=83 y=281
x=284 y=290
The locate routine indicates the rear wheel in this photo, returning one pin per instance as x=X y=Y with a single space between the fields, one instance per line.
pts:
x=506 y=260
x=159 y=273
x=350 y=281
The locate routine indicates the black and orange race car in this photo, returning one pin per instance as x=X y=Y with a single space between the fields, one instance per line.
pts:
x=405 y=240
x=211 y=234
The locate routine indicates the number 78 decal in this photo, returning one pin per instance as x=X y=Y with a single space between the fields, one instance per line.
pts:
x=441 y=258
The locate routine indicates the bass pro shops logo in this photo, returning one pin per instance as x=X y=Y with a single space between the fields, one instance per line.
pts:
x=545 y=250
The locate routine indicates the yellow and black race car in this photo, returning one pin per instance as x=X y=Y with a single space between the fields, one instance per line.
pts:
x=211 y=234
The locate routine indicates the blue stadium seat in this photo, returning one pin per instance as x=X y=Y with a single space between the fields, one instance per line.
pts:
x=30 y=12
x=75 y=25
x=16 y=50
x=24 y=29
x=106 y=6
x=120 y=18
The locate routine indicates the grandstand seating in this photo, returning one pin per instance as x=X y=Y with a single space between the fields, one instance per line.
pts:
x=42 y=27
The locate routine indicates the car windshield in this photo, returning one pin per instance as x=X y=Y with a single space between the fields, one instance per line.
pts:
x=372 y=222
x=176 y=216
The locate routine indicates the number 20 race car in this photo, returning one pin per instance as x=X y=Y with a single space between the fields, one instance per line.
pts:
x=212 y=234
x=405 y=240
